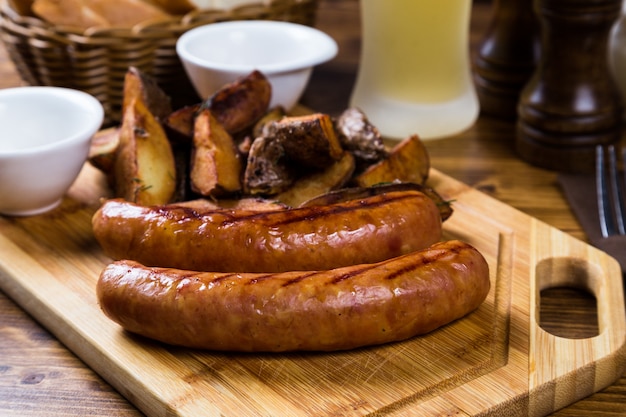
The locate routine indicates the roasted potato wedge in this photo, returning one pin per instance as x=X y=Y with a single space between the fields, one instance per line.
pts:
x=240 y=104
x=137 y=87
x=179 y=123
x=360 y=137
x=216 y=167
x=408 y=161
x=145 y=171
x=267 y=171
x=321 y=182
x=309 y=141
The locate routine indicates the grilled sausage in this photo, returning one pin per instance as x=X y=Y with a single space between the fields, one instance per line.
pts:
x=339 y=309
x=308 y=238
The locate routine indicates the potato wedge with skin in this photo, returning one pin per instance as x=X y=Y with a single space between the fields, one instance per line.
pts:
x=317 y=183
x=216 y=167
x=145 y=171
x=408 y=161
x=309 y=141
x=138 y=85
x=242 y=103
x=180 y=122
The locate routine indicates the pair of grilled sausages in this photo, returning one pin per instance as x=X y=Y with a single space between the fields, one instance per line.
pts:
x=320 y=278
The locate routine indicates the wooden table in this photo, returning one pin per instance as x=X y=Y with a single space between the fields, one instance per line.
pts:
x=39 y=376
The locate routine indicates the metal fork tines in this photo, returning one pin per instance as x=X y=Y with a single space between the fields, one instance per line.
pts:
x=610 y=187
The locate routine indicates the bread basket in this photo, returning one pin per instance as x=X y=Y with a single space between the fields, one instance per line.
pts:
x=96 y=60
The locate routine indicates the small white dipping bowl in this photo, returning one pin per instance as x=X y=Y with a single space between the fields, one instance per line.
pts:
x=45 y=134
x=219 y=53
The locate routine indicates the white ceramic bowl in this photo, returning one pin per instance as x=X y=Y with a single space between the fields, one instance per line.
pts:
x=218 y=53
x=45 y=133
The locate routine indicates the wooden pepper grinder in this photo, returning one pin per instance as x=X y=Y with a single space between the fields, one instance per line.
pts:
x=507 y=57
x=571 y=103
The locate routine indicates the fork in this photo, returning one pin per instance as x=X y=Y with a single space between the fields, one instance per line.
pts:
x=610 y=187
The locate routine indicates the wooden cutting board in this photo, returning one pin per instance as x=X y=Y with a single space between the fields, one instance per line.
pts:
x=496 y=361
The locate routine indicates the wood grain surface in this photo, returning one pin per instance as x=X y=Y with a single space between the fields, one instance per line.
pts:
x=39 y=376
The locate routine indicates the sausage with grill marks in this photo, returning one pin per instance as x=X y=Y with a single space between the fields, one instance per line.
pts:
x=338 y=309
x=366 y=230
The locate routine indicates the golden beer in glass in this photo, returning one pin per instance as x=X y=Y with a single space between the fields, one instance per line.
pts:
x=415 y=74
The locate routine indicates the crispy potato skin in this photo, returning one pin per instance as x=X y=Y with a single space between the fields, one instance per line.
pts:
x=145 y=167
x=408 y=160
x=308 y=238
x=310 y=141
x=339 y=309
x=240 y=104
x=215 y=163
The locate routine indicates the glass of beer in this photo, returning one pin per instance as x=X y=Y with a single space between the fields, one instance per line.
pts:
x=415 y=75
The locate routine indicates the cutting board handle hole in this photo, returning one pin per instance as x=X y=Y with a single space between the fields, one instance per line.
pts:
x=567 y=284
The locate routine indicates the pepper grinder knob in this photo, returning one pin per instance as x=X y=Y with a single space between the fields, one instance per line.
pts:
x=571 y=103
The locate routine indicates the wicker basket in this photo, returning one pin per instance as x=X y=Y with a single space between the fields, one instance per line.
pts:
x=96 y=61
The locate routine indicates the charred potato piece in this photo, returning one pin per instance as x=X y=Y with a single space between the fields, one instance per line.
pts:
x=267 y=171
x=408 y=161
x=240 y=104
x=309 y=141
x=321 y=182
x=140 y=85
x=360 y=137
x=215 y=164
x=145 y=171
